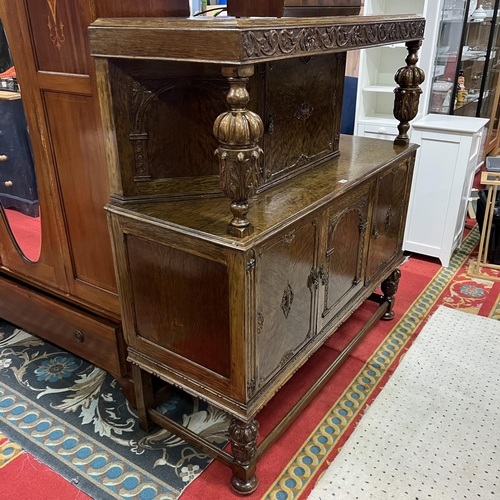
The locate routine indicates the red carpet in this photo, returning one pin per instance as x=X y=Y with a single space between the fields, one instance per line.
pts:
x=22 y=477
x=27 y=232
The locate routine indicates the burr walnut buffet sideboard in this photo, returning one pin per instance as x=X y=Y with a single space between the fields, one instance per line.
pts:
x=227 y=299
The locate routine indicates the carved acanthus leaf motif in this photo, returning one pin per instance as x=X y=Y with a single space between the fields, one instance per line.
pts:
x=267 y=43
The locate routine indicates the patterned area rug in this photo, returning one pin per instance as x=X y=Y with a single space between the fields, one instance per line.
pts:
x=431 y=433
x=74 y=417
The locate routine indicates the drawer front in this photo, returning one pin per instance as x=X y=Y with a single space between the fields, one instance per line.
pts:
x=385 y=132
x=92 y=338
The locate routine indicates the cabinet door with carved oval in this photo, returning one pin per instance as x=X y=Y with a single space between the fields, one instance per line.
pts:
x=285 y=297
x=389 y=216
x=341 y=267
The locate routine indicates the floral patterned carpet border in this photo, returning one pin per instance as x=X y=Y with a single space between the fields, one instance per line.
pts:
x=73 y=417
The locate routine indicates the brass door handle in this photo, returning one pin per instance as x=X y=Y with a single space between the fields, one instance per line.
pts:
x=3 y=157
x=8 y=183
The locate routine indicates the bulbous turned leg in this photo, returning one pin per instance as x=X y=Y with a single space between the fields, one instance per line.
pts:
x=244 y=445
x=407 y=94
x=238 y=131
x=389 y=288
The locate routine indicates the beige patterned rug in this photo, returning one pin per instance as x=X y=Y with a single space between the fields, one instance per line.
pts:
x=434 y=430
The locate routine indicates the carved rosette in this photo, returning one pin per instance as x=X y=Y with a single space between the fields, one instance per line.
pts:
x=243 y=440
x=238 y=131
x=407 y=95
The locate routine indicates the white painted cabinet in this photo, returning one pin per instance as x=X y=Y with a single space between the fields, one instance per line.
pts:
x=448 y=157
x=377 y=66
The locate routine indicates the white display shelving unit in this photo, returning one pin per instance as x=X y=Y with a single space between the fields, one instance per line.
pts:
x=377 y=66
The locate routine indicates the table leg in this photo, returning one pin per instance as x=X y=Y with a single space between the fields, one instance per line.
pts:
x=244 y=445
x=389 y=288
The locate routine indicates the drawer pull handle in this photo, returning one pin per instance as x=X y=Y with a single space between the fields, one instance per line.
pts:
x=3 y=157
x=79 y=336
x=8 y=184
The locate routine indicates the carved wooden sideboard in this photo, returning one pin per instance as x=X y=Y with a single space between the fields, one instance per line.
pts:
x=228 y=299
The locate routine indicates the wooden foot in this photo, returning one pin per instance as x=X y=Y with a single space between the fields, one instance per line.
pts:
x=143 y=385
x=389 y=288
x=244 y=444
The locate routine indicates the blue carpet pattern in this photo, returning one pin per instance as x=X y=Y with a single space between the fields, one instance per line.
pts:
x=73 y=416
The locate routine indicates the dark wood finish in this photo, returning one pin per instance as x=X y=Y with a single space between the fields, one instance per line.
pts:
x=255 y=8
x=407 y=95
x=142 y=8
x=277 y=277
x=326 y=216
x=278 y=8
x=247 y=41
x=322 y=7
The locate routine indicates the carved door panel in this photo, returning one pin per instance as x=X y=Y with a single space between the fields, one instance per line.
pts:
x=301 y=118
x=284 y=297
x=389 y=216
x=342 y=266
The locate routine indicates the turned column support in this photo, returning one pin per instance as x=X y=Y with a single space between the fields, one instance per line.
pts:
x=243 y=439
x=389 y=288
x=407 y=95
x=238 y=132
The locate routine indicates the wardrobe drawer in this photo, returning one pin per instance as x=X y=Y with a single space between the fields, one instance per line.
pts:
x=93 y=338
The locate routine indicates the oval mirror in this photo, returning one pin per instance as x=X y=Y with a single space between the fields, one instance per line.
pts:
x=18 y=190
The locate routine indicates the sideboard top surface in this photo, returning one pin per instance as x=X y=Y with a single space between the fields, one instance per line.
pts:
x=246 y=40
x=360 y=158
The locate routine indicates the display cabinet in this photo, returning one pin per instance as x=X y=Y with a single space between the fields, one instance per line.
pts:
x=465 y=75
x=374 y=100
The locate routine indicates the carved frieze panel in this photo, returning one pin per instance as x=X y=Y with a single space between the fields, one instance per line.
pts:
x=269 y=43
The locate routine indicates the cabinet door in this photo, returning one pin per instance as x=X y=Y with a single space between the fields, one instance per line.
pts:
x=389 y=216
x=341 y=270
x=285 y=297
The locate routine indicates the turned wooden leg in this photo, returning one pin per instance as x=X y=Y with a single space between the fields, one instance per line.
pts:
x=238 y=132
x=143 y=386
x=244 y=445
x=407 y=95
x=389 y=288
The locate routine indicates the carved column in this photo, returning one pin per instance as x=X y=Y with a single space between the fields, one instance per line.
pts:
x=238 y=131
x=407 y=95
x=244 y=446
x=389 y=288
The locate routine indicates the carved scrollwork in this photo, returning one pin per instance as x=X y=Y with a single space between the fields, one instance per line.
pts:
x=286 y=358
x=287 y=299
x=267 y=43
x=260 y=323
x=304 y=112
x=388 y=219
x=289 y=237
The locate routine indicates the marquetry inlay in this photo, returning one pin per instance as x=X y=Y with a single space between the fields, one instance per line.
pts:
x=55 y=25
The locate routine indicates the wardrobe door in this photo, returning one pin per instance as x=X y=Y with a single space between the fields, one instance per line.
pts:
x=60 y=71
